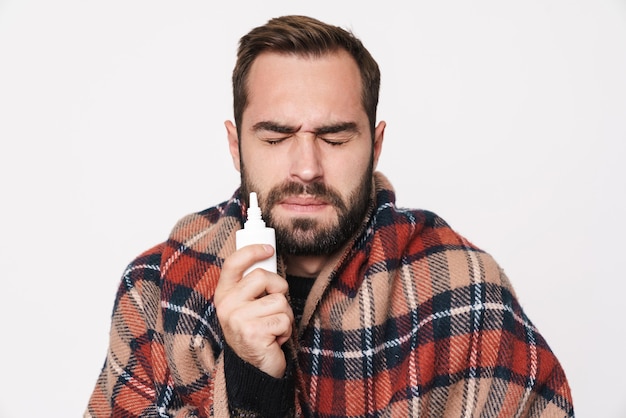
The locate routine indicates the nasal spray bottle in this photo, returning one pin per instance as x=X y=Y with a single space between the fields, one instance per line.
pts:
x=255 y=232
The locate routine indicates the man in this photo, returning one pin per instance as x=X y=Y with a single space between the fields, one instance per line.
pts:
x=375 y=311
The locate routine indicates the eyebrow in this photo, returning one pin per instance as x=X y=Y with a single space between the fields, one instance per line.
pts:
x=322 y=130
x=340 y=127
x=274 y=127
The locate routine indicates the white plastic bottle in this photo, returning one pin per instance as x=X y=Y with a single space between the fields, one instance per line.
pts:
x=255 y=232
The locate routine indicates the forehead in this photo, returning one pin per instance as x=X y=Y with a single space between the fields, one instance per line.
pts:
x=283 y=86
x=272 y=63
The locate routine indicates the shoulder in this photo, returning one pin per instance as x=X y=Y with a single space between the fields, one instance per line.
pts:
x=430 y=241
x=420 y=228
x=413 y=227
x=197 y=230
x=206 y=218
x=196 y=248
x=141 y=277
x=148 y=265
x=145 y=266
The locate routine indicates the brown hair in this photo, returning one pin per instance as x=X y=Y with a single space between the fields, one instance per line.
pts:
x=302 y=35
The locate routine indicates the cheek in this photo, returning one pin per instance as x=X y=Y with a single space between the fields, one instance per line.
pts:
x=260 y=163
x=264 y=172
x=347 y=173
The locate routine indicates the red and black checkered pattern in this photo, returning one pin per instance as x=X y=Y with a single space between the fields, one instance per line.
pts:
x=410 y=320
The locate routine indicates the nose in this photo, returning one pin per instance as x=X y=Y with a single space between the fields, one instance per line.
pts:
x=306 y=163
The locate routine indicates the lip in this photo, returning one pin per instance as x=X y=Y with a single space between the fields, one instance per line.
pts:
x=303 y=204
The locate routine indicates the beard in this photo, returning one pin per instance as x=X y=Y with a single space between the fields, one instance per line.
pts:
x=304 y=235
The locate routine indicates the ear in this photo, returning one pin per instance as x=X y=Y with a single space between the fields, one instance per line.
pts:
x=379 y=135
x=233 y=143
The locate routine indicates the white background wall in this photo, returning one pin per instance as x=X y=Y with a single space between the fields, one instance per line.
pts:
x=506 y=118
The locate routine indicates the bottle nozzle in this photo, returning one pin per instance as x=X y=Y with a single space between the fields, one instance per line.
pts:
x=254 y=202
x=254 y=211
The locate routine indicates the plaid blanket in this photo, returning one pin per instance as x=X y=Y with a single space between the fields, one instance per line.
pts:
x=409 y=320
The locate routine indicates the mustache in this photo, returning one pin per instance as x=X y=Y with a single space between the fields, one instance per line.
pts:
x=318 y=190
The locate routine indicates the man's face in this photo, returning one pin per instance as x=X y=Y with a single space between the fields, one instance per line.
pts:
x=306 y=149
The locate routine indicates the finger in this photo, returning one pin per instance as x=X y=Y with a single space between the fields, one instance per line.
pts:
x=256 y=285
x=247 y=322
x=261 y=282
x=239 y=261
x=265 y=306
x=280 y=326
x=265 y=331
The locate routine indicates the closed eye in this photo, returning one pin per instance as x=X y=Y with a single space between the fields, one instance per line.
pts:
x=338 y=134
x=334 y=141
x=274 y=141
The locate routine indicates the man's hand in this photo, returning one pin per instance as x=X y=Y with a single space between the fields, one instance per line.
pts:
x=253 y=310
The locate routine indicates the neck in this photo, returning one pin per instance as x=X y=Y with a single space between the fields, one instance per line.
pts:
x=305 y=265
